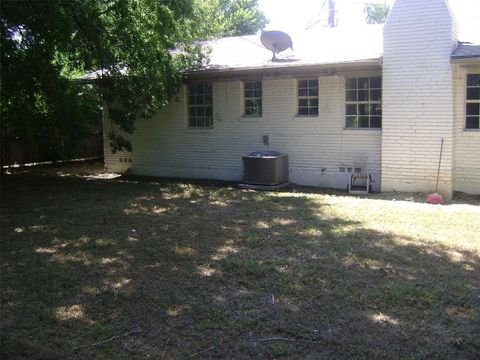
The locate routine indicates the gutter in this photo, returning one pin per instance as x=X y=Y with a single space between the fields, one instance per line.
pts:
x=325 y=68
x=456 y=58
x=275 y=71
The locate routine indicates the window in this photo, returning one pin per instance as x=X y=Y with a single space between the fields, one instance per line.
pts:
x=308 y=97
x=363 y=97
x=200 y=112
x=253 y=98
x=472 y=110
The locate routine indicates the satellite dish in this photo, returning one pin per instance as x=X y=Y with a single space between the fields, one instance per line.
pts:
x=276 y=41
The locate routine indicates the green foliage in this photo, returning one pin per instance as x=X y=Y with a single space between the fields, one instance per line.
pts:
x=128 y=43
x=39 y=106
x=278 y=348
x=376 y=13
x=215 y=18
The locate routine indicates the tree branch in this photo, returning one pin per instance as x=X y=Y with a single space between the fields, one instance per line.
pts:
x=290 y=340
x=109 y=339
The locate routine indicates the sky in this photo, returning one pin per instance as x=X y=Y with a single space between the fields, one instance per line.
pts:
x=295 y=15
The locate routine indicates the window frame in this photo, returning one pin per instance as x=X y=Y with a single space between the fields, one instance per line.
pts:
x=366 y=104
x=255 y=99
x=205 y=94
x=307 y=97
x=472 y=101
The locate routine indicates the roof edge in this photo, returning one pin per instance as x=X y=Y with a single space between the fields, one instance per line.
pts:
x=233 y=70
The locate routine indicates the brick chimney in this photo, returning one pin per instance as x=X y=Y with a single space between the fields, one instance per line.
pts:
x=418 y=109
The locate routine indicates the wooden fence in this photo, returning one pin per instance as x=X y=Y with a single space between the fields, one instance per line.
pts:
x=15 y=152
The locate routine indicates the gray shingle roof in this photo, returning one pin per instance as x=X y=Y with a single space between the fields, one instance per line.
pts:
x=319 y=47
x=465 y=50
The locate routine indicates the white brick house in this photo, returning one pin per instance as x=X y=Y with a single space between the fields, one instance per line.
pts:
x=377 y=98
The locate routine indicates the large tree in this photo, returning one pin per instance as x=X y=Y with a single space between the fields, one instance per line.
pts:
x=129 y=43
x=215 y=18
x=376 y=13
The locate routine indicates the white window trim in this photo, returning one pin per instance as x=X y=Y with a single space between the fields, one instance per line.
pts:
x=297 y=114
x=244 y=99
x=188 y=106
x=469 y=102
x=357 y=103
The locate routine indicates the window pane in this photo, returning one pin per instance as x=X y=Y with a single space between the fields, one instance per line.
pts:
x=364 y=102
x=201 y=121
x=303 y=102
x=351 y=110
x=248 y=86
x=351 y=95
x=362 y=95
x=200 y=105
x=473 y=109
x=376 y=122
x=352 y=121
x=473 y=93
x=376 y=95
x=253 y=111
x=248 y=103
x=363 y=83
x=248 y=93
x=375 y=82
x=363 y=122
x=257 y=85
x=302 y=111
x=472 y=122
x=363 y=109
x=351 y=83
x=376 y=109
x=254 y=107
x=473 y=80
x=308 y=89
x=302 y=92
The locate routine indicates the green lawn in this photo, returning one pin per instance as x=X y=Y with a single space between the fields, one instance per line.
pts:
x=132 y=268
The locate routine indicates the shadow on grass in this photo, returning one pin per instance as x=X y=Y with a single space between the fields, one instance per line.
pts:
x=174 y=269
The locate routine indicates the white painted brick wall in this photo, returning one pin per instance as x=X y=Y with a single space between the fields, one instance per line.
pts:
x=418 y=96
x=317 y=147
x=467 y=142
x=421 y=105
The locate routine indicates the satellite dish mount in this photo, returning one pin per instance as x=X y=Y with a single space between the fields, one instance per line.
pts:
x=276 y=42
